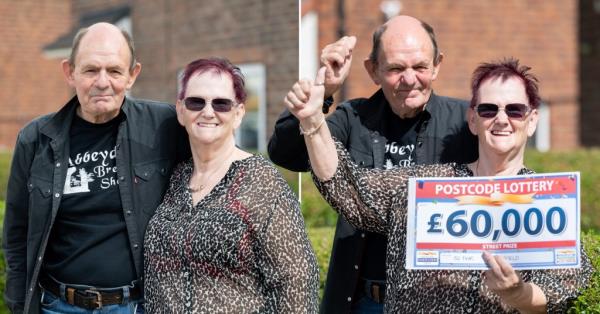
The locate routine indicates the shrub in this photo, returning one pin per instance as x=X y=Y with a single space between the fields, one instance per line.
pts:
x=588 y=302
x=5 y=158
x=585 y=160
x=3 y=308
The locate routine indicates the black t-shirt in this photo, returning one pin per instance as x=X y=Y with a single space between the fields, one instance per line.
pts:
x=88 y=243
x=401 y=135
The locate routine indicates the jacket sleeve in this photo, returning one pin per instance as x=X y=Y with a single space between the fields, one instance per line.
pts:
x=14 y=237
x=286 y=146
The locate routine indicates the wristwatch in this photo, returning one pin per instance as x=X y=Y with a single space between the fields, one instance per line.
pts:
x=327 y=103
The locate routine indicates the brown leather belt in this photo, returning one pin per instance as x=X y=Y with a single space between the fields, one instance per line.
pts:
x=373 y=290
x=90 y=298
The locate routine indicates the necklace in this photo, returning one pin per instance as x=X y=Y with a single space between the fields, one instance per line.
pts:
x=200 y=187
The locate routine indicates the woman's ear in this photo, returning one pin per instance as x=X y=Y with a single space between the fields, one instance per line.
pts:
x=471 y=116
x=532 y=122
x=179 y=107
x=240 y=111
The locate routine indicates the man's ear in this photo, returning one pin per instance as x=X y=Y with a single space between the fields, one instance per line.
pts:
x=371 y=68
x=436 y=67
x=68 y=72
x=133 y=74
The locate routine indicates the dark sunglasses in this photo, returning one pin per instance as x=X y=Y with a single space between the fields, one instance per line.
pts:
x=218 y=104
x=515 y=111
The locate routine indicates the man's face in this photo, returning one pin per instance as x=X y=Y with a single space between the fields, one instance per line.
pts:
x=101 y=76
x=405 y=71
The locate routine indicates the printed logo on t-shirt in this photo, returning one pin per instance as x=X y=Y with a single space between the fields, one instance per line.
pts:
x=88 y=167
x=398 y=155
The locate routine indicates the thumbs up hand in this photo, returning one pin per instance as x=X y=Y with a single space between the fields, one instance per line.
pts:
x=305 y=100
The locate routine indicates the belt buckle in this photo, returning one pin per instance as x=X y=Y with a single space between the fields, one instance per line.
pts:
x=98 y=297
x=375 y=292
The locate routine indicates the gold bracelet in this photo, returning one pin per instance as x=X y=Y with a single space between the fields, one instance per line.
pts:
x=311 y=132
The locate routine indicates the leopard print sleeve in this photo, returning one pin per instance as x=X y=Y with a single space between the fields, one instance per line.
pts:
x=363 y=196
x=561 y=286
x=287 y=260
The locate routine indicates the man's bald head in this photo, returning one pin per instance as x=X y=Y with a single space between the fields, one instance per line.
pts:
x=103 y=31
x=402 y=27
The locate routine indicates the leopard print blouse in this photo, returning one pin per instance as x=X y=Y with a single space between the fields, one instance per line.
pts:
x=242 y=249
x=376 y=200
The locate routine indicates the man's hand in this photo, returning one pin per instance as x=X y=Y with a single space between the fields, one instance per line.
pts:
x=337 y=58
x=305 y=100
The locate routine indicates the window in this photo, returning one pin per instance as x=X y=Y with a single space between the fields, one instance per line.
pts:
x=541 y=138
x=252 y=133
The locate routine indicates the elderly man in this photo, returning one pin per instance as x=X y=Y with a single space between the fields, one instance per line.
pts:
x=403 y=123
x=83 y=184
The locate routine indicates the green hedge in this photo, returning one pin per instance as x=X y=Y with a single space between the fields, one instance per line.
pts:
x=3 y=308
x=585 y=160
x=5 y=158
x=588 y=302
x=322 y=239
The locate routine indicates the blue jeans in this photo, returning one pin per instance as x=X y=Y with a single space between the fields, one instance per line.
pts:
x=366 y=305
x=51 y=304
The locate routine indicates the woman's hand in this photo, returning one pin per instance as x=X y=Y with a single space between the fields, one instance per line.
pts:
x=501 y=277
x=305 y=101
x=507 y=283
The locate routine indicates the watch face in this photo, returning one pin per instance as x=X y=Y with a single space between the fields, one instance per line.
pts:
x=327 y=103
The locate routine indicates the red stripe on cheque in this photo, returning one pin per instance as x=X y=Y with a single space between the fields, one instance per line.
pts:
x=496 y=246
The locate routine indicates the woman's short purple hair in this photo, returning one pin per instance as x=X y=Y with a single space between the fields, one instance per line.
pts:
x=218 y=65
x=505 y=69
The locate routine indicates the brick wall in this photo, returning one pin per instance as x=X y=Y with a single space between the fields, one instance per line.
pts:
x=542 y=34
x=31 y=83
x=169 y=35
x=86 y=6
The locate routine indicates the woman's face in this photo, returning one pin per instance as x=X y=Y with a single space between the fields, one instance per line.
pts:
x=208 y=126
x=502 y=134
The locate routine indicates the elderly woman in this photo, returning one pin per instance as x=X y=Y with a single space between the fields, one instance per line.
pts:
x=503 y=114
x=228 y=236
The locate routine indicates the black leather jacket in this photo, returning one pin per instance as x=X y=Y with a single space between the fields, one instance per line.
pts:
x=150 y=143
x=443 y=136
